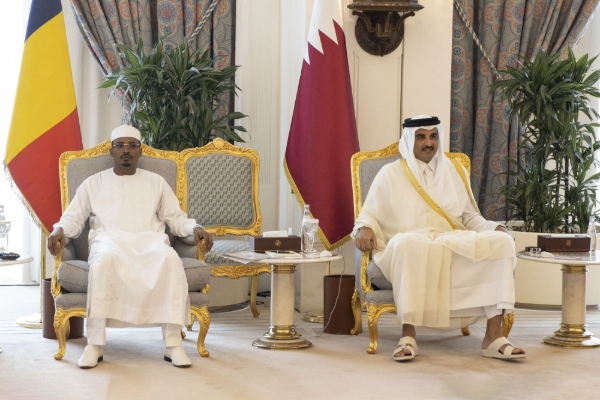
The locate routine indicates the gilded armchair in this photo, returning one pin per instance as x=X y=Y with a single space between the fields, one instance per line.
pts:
x=221 y=193
x=70 y=274
x=372 y=289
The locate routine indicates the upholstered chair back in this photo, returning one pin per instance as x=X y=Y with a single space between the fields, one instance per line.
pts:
x=222 y=188
x=368 y=169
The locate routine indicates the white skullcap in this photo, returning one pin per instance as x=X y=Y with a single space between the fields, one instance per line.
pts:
x=125 y=131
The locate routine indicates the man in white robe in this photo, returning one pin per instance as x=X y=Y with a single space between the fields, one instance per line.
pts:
x=135 y=276
x=428 y=238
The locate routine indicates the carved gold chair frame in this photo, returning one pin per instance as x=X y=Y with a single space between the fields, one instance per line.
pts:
x=62 y=316
x=374 y=311
x=220 y=146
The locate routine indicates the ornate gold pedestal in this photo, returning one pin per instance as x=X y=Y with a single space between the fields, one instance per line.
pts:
x=573 y=332
x=282 y=338
x=572 y=336
x=282 y=334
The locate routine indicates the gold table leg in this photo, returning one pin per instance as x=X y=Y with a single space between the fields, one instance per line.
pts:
x=573 y=332
x=282 y=334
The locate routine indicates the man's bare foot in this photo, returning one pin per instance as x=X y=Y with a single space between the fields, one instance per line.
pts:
x=407 y=330
x=493 y=332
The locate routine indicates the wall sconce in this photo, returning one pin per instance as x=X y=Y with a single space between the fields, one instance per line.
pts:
x=380 y=29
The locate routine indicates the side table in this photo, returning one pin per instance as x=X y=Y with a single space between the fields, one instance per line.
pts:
x=572 y=332
x=282 y=332
x=20 y=260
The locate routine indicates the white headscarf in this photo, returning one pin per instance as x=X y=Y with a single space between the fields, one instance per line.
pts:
x=440 y=189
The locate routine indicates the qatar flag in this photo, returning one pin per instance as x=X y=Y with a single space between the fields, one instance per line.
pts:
x=323 y=134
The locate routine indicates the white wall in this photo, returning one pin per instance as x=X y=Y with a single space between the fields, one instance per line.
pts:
x=97 y=117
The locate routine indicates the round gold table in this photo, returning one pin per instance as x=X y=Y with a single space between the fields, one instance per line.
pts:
x=20 y=260
x=282 y=332
x=572 y=332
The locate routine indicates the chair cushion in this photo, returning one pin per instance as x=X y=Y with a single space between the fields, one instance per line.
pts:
x=380 y=297
x=377 y=278
x=198 y=299
x=220 y=247
x=73 y=275
x=197 y=274
x=79 y=300
x=71 y=300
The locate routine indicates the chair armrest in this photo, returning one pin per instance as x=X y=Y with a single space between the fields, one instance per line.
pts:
x=365 y=282
x=55 y=287
x=68 y=252
x=187 y=240
x=186 y=243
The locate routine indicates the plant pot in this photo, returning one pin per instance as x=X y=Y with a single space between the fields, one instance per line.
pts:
x=539 y=285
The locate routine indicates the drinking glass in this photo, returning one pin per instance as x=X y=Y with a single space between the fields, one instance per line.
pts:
x=311 y=225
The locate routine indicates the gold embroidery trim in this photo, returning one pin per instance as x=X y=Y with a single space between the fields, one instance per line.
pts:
x=426 y=197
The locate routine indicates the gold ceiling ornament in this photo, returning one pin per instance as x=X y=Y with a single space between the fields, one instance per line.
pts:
x=380 y=29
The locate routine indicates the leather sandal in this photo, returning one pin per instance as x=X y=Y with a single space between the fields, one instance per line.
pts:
x=493 y=350
x=409 y=343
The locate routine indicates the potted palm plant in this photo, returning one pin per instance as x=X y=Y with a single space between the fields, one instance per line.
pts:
x=176 y=98
x=551 y=186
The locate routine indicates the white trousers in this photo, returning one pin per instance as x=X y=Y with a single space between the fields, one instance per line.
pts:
x=96 y=332
x=478 y=289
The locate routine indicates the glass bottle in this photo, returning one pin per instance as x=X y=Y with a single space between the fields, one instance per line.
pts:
x=305 y=216
x=592 y=233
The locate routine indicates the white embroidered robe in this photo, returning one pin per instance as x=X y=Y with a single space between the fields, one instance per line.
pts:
x=437 y=272
x=135 y=276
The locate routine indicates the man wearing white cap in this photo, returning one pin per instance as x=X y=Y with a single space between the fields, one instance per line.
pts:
x=135 y=276
x=430 y=241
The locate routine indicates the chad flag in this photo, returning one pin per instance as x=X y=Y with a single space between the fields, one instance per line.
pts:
x=44 y=121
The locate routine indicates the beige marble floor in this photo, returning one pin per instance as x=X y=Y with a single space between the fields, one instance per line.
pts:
x=337 y=367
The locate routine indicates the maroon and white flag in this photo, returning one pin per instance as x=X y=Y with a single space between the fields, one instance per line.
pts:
x=323 y=134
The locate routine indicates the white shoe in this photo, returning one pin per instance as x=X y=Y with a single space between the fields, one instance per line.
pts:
x=177 y=356
x=91 y=356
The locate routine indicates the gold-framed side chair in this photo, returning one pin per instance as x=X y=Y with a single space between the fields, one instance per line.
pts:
x=221 y=193
x=372 y=289
x=70 y=273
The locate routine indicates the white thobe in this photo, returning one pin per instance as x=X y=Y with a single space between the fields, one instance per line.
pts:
x=135 y=276
x=437 y=272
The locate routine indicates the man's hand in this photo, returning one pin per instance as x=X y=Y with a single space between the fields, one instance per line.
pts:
x=200 y=235
x=365 y=239
x=56 y=240
x=503 y=229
